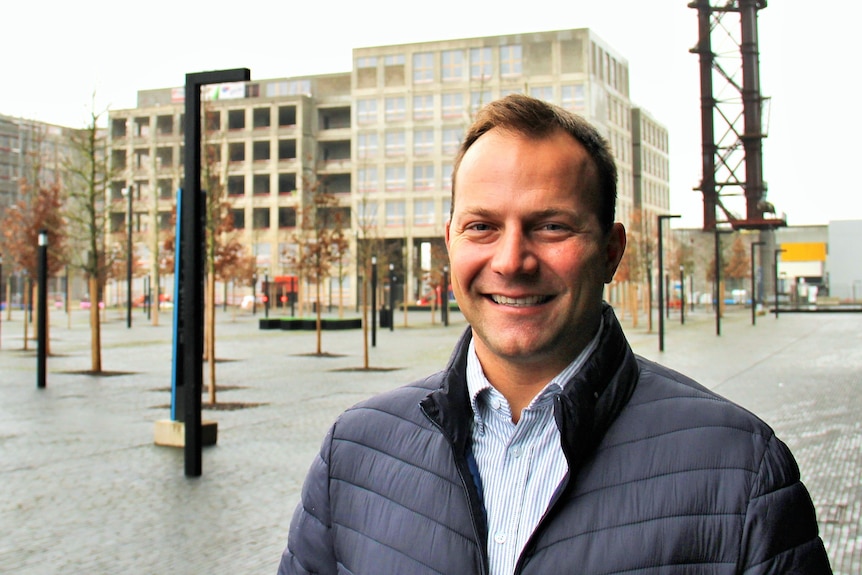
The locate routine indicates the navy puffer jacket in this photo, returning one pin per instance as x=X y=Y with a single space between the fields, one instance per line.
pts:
x=665 y=477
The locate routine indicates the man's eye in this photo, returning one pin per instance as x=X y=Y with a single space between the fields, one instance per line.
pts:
x=479 y=227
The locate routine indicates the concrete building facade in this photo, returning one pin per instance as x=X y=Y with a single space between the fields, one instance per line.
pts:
x=381 y=138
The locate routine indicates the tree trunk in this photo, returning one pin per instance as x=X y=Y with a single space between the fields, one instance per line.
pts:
x=406 y=291
x=8 y=300
x=365 y=289
x=209 y=300
x=27 y=304
x=95 y=327
x=319 y=323
x=633 y=303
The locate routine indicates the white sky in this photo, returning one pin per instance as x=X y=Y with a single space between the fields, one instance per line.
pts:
x=59 y=55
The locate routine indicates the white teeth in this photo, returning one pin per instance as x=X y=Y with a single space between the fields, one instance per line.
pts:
x=518 y=301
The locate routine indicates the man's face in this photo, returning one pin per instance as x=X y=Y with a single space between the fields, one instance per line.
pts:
x=528 y=256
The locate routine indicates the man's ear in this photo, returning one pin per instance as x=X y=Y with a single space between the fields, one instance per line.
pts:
x=446 y=235
x=614 y=250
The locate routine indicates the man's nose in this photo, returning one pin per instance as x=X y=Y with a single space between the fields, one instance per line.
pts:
x=513 y=254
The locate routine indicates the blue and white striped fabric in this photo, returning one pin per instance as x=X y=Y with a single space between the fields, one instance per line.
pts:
x=521 y=464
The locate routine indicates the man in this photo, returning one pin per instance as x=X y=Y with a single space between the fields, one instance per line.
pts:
x=546 y=446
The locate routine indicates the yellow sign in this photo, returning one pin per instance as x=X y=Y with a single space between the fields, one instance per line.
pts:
x=804 y=252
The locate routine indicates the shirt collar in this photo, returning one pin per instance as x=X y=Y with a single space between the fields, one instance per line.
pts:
x=478 y=383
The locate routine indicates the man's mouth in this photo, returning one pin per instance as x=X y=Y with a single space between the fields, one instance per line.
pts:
x=519 y=301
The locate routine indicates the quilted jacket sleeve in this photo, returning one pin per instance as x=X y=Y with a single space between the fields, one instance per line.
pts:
x=309 y=544
x=780 y=534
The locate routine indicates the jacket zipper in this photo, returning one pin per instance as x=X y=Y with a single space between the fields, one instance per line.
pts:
x=464 y=485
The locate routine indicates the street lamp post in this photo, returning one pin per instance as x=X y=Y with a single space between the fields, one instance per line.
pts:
x=682 y=294
x=778 y=251
x=392 y=282
x=661 y=218
x=42 y=324
x=754 y=284
x=129 y=191
x=445 y=299
x=373 y=301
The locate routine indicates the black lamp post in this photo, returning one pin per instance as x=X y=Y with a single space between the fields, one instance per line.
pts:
x=661 y=218
x=682 y=294
x=373 y=301
x=778 y=251
x=754 y=283
x=129 y=191
x=445 y=299
x=42 y=325
x=392 y=281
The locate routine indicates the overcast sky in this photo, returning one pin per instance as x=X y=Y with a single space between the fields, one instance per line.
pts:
x=58 y=55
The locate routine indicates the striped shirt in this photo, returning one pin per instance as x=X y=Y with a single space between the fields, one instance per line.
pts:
x=521 y=465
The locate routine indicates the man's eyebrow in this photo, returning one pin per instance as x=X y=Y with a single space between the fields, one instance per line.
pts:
x=482 y=211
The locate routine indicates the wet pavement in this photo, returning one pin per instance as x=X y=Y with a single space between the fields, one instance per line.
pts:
x=85 y=490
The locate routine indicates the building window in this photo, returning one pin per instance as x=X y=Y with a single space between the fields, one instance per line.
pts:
x=367 y=62
x=286 y=217
x=395 y=213
x=395 y=109
x=396 y=178
x=393 y=60
x=367 y=180
x=451 y=140
x=260 y=151
x=238 y=217
x=479 y=98
x=260 y=184
x=261 y=118
x=511 y=60
x=236 y=152
x=446 y=172
x=367 y=146
x=453 y=105
x=236 y=119
x=260 y=218
x=366 y=111
x=236 y=185
x=452 y=65
x=423 y=67
x=286 y=183
x=573 y=98
x=423 y=177
x=395 y=146
x=423 y=107
x=480 y=64
x=423 y=213
x=423 y=142
x=366 y=215
x=545 y=93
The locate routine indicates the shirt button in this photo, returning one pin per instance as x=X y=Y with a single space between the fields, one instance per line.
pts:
x=500 y=538
x=516 y=452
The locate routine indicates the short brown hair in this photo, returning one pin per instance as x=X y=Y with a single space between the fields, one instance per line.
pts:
x=536 y=119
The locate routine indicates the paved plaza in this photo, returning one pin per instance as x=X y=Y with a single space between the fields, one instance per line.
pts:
x=83 y=488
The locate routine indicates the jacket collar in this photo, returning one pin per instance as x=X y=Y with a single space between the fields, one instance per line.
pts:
x=590 y=402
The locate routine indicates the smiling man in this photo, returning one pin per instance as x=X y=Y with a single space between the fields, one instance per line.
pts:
x=546 y=446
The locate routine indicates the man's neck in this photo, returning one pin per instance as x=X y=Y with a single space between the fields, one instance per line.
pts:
x=519 y=383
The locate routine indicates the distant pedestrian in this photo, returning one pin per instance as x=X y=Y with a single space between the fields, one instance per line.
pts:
x=546 y=446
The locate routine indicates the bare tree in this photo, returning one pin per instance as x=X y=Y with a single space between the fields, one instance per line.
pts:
x=39 y=209
x=321 y=242
x=90 y=172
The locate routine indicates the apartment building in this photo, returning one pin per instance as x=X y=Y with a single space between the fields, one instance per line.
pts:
x=29 y=150
x=381 y=138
